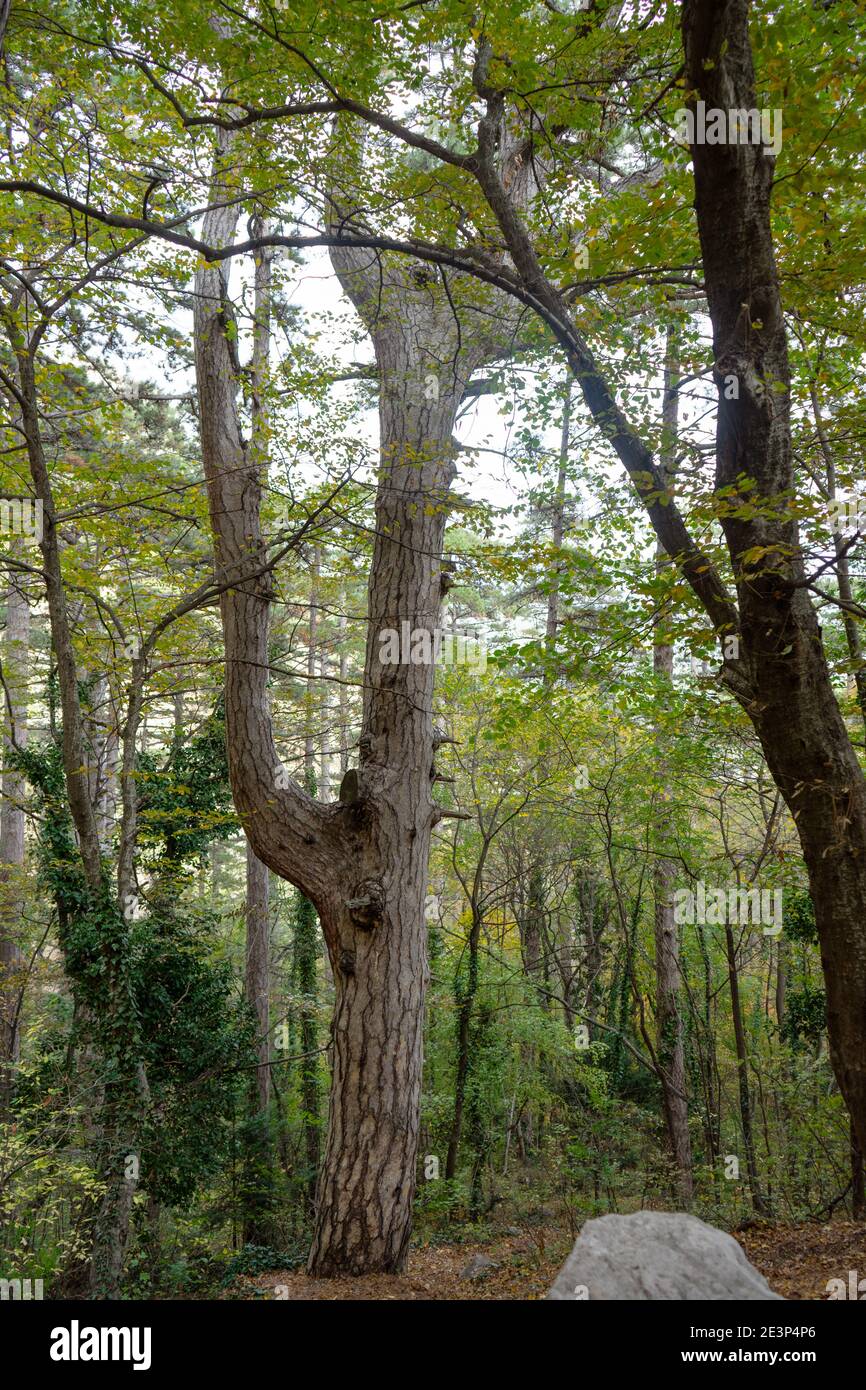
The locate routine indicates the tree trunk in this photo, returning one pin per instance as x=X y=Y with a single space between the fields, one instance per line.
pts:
x=843 y=573
x=343 y=697
x=780 y=673
x=258 y=1223
x=858 y=1188
x=743 y=1076
x=593 y=920
x=325 y=719
x=465 y=993
x=366 y=1188
x=305 y=981
x=108 y=1002
x=558 y=527
x=669 y=1020
x=533 y=947
x=670 y=1051
x=855 y=651
x=12 y=959
x=363 y=861
x=781 y=983
x=306 y=942
x=793 y=706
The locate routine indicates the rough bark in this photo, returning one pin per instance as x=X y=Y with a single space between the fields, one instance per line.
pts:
x=305 y=981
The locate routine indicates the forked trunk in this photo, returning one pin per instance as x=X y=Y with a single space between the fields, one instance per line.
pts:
x=363 y=861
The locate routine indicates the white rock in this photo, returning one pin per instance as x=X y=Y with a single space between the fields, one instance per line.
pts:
x=657 y=1255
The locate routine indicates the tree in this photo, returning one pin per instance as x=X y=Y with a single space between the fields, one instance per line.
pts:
x=669 y=1019
x=15 y=670
x=458 y=173
x=365 y=866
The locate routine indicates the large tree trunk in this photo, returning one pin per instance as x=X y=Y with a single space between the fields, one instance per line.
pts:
x=780 y=673
x=363 y=861
x=12 y=958
x=793 y=706
x=366 y=1187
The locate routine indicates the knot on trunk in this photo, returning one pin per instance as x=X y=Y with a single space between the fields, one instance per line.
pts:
x=350 y=788
x=366 y=907
x=447 y=576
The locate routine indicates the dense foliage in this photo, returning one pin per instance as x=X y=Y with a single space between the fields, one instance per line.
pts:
x=592 y=767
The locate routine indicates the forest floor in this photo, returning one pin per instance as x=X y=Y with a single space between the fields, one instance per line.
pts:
x=797 y=1261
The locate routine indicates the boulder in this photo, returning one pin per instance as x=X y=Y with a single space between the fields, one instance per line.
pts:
x=657 y=1255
